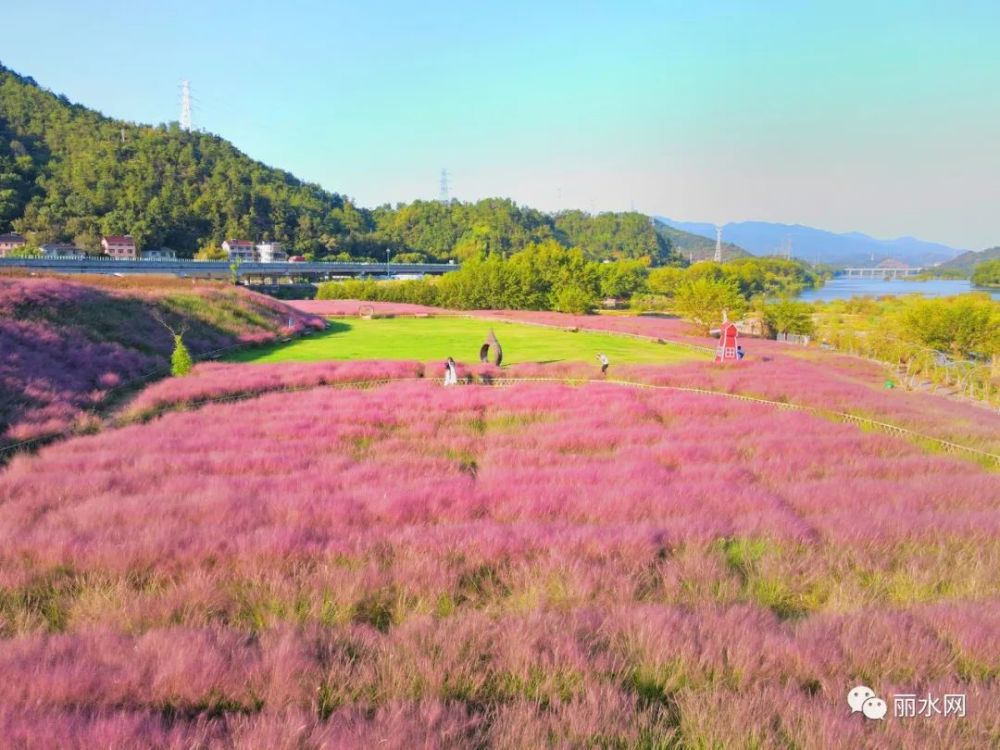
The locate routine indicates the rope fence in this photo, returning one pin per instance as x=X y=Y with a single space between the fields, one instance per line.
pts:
x=873 y=425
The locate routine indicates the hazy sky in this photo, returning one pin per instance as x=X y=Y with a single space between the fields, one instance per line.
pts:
x=877 y=116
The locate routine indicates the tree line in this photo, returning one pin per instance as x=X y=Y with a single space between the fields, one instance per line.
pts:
x=549 y=276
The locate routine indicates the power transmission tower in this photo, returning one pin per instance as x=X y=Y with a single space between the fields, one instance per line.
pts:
x=443 y=195
x=185 y=105
x=787 y=247
x=718 y=243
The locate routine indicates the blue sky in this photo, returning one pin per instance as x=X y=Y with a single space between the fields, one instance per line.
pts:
x=881 y=117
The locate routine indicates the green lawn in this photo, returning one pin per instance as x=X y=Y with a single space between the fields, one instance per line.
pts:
x=427 y=339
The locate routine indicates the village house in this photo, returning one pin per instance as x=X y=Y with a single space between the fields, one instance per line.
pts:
x=238 y=249
x=55 y=250
x=119 y=247
x=160 y=253
x=10 y=241
x=270 y=252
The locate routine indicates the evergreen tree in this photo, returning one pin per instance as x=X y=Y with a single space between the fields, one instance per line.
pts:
x=180 y=360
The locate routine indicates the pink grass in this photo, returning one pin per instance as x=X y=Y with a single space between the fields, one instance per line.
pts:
x=64 y=346
x=534 y=565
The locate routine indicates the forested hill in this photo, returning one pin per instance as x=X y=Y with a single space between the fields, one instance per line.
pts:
x=694 y=247
x=68 y=173
x=969 y=260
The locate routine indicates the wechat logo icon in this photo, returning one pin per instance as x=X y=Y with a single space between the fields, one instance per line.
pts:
x=863 y=699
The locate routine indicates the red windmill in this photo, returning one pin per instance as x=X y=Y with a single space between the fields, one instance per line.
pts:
x=726 y=350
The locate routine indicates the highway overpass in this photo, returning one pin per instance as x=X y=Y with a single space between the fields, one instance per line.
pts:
x=219 y=269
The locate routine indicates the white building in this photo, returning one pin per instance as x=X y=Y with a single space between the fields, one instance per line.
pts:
x=238 y=249
x=61 y=250
x=162 y=253
x=271 y=252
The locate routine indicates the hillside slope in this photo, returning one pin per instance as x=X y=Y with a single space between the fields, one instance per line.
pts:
x=694 y=247
x=68 y=173
x=969 y=260
x=66 y=346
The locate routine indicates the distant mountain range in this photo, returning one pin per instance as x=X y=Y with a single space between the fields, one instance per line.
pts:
x=820 y=246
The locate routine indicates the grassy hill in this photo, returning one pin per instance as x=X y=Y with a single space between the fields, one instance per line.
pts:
x=68 y=346
x=68 y=173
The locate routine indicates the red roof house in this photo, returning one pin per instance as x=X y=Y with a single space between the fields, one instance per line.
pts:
x=119 y=246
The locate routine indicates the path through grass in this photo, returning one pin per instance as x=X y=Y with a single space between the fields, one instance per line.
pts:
x=439 y=337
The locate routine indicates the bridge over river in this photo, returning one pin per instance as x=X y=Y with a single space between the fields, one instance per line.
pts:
x=219 y=269
x=877 y=272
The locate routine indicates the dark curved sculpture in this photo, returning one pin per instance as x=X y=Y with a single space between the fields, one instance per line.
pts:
x=484 y=350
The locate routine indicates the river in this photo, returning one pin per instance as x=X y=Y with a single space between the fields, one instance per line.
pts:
x=841 y=287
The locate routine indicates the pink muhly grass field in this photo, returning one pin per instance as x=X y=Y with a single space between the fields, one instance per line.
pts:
x=64 y=345
x=773 y=370
x=214 y=380
x=339 y=308
x=537 y=565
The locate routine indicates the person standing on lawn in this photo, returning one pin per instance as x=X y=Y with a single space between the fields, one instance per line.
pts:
x=602 y=358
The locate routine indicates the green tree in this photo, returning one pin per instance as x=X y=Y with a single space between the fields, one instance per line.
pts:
x=211 y=251
x=666 y=280
x=575 y=300
x=622 y=279
x=962 y=326
x=769 y=276
x=180 y=360
x=789 y=316
x=702 y=301
x=25 y=251
x=987 y=273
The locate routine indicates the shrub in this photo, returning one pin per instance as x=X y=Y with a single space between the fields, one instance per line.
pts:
x=180 y=360
x=573 y=299
x=789 y=316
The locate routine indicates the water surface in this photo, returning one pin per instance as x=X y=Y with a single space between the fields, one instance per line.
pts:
x=841 y=287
